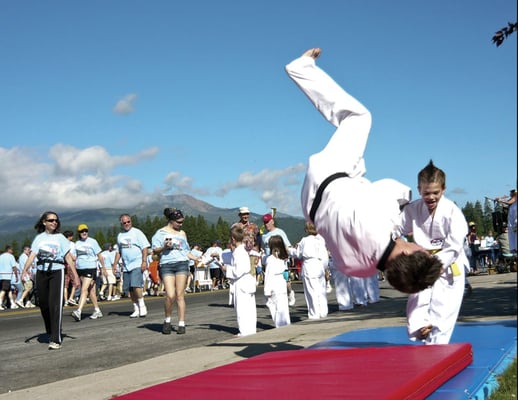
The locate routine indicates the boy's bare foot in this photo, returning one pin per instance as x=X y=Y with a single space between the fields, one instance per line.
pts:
x=313 y=53
x=424 y=332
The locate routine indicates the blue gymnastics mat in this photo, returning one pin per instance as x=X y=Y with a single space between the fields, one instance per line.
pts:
x=493 y=343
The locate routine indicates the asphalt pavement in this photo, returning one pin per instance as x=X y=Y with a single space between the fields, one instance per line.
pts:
x=116 y=355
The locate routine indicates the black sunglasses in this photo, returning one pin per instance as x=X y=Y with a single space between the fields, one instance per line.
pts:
x=52 y=220
x=83 y=231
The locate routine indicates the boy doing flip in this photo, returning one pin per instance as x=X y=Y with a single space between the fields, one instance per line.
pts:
x=359 y=230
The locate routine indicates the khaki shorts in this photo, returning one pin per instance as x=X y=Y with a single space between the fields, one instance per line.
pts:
x=109 y=279
x=28 y=285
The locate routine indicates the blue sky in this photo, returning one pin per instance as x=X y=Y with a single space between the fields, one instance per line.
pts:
x=111 y=103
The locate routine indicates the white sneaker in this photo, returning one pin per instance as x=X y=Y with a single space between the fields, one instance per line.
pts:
x=116 y=297
x=291 y=298
x=14 y=306
x=96 y=314
x=2 y=308
x=142 y=311
x=29 y=305
x=76 y=315
x=19 y=304
x=54 y=346
x=135 y=313
x=109 y=298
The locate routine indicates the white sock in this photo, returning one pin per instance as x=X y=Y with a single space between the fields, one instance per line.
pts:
x=167 y=319
x=181 y=323
x=141 y=302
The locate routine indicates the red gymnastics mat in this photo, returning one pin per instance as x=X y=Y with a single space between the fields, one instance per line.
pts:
x=393 y=372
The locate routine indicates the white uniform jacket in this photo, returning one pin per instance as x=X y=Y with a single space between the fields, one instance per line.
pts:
x=356 y=217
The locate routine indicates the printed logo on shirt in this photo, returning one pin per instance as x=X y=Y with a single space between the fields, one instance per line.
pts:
x=437 y=243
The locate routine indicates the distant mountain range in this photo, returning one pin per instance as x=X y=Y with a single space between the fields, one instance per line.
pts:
x=19 y=227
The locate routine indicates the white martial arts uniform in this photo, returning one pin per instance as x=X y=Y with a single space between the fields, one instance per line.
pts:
x=276 y=292
x=443 y=232
x=372 y=287
x=356 y=217
x=342 y=288
x=244 y=291
x=313 y=253
x=358 y=290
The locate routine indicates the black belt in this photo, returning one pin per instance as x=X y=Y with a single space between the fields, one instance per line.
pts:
x=320 y=192
x=385 y=256
x=49 y=262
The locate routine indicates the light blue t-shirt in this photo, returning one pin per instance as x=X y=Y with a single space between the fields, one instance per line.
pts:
x=50 y=247
x=131 y=244
x=108 y=257
x=179 y=250
x=7 y=262
x=86 y=253
x=266 y=237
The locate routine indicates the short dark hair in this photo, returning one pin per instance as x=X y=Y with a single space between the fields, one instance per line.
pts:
x=414 y=272
x=237 y=233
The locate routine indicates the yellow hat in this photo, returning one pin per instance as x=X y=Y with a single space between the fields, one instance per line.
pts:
x=80 y=227
x=471 y=223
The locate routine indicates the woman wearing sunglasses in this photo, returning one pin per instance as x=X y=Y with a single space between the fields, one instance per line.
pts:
x=52 y=251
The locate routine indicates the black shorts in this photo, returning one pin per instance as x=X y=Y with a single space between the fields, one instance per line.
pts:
x=87 y=273
x=215 y=273
x=5 y=285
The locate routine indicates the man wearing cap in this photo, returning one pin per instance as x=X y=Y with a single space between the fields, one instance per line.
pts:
x=251 y=230
x=87 y=253
x=356 y=217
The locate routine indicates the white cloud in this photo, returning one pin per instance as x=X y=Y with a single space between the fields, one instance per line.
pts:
x=125 y=105
x=70 y=178
x=277 y=188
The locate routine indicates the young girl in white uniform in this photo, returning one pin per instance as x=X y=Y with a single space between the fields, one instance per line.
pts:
x=275 y=288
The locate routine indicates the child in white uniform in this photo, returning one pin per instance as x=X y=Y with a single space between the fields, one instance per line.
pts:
x=275 y=288
x=438 y=225
x=243 y=284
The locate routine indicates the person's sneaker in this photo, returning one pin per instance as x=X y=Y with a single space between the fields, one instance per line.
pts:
x=72 y=302
x=135 y=312
x=29 y=305
x=116 y=297
x=291 y=298
x=76 y=315
x=2 y=308
x=54 y=346
x=142 y=312
x=14 y=306
x=109 y=298
x=166 y=328
x=19 y=304
x=96 y=314
x=180 y=330
x=329 y=288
